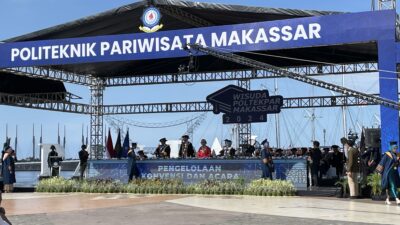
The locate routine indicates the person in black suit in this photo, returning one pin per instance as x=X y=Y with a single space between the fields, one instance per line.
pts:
x=186 y=150
x=83 y=158
x=338 y=161
x=315 y=160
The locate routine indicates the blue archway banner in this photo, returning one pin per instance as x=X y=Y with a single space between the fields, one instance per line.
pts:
x=282 y=34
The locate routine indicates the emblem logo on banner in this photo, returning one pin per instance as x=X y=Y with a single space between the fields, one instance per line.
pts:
x=151 y=19
x=243 y=106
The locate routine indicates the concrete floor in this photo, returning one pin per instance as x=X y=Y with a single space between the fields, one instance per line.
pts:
x=60 y=209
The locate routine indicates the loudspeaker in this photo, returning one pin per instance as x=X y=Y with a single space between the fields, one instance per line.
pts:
x=372 y=137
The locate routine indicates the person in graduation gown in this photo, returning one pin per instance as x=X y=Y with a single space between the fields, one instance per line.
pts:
x=266 y=161
x=390 y=175
x=7 y=170
x=163 y=150
x=227 y=150
x=186 y=150
x=132 y=167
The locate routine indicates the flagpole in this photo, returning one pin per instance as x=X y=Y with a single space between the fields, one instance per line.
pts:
x=6 y=132
x=16 y=140
x=58 y=134
x=41 y=140
x=65 y=139
x=33 y=141
x=83 y=136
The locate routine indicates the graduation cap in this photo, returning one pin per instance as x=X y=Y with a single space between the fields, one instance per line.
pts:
x=265 y=141
x=334 y=146
x=164 y=139
x=185 y=136
x=393 y=143
x=227 y=140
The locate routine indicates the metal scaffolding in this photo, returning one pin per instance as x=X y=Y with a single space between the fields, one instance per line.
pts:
x=244 y=129
x=171 y=107
x=96 y=120
x=312 y=70
x=305 y=79
x=51 y=74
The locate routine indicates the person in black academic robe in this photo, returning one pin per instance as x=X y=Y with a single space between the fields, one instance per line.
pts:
x=8 y=177
x=163 y=150
x=132 y=169
x=227 y=150
x=186 y=150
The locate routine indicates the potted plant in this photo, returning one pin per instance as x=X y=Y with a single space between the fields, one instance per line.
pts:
x=374 y=181
x=344 y=185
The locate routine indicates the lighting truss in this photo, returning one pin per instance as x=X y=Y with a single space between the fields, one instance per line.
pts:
x=305 y=79
x=312 y=70
x=27 y=101
x=51 y=74
x=202 y=106
x=173 y=107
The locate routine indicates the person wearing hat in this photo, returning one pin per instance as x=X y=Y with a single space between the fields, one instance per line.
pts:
x=132 y=167
x=83 y=158
x=337 y=161
x=163 y=150
x=8 y=174
x=293 y=152
x=353 y=168
x=204 y=150
x=186 y=150
x=51 y=159
x=390 y=176
x=227 y=150
x=267 y=165
x=142 y=156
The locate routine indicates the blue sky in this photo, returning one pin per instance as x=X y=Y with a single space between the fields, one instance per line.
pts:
x=18 y=17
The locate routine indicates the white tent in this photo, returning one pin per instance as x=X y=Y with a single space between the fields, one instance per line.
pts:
x=216 y=146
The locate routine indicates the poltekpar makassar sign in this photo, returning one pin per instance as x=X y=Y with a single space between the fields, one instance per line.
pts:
x=243 y=106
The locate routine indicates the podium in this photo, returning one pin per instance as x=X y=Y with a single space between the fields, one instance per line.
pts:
x=55 y=165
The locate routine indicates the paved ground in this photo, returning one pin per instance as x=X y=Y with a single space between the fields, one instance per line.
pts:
x=121 y=209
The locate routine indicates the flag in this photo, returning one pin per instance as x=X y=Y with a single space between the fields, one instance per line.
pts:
x=109 y=146
x=362 y=142
x=118 y=147
x=125 y=146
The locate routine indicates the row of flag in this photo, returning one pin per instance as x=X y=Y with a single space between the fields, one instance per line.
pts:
x=120 y=150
